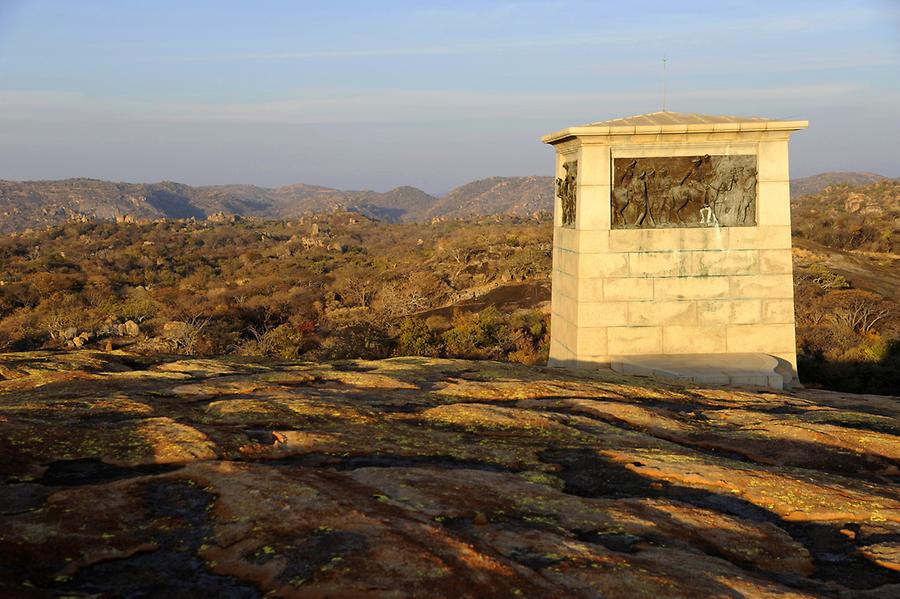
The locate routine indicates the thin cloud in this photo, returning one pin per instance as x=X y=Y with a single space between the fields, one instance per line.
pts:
x=634 y=35
x=402 y=106
x=469 y=48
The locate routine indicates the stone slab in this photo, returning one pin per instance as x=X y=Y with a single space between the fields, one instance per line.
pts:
x=737 y=370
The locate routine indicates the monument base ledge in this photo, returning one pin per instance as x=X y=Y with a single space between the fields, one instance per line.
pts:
x=737 y=370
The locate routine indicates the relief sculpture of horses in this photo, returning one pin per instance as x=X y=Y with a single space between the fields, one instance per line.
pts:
x=683 y=191
x=689 y=193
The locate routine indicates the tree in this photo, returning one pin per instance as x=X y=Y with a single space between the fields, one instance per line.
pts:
x=418 y=291
x=357 y=286
x=861 y=311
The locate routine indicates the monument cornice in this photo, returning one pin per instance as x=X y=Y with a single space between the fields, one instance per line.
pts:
x=673 y=123
x=595 y=131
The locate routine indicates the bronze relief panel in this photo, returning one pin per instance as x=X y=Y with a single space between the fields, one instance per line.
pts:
x=565 y=191
x=684 y=191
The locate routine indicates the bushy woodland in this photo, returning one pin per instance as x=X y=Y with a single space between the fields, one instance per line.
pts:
x=847 y=339
x=851 y=218
x=340 y=286
x=326 y=287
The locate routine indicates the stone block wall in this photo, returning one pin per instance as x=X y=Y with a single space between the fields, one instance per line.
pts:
x=672 y=290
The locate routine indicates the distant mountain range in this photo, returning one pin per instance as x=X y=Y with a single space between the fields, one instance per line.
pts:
x=36 y=204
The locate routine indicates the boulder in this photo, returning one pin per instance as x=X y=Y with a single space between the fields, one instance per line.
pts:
x=221 y=217
x=69 y=333
x=131 y=328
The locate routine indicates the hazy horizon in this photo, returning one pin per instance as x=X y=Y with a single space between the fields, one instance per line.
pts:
x=430 y=192
x=374 y=97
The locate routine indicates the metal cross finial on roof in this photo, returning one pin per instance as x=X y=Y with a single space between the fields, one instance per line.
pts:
x=664 y=85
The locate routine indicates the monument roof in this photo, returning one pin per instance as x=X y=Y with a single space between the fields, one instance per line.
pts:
x=676 y=122
x=679 y=118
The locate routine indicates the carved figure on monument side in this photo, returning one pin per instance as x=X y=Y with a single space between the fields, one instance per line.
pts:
x=730 y=199
x=638 y=195
x=687 y=193
x=566 y=191
x=716 y=185
x=748 y=198
x=650 y=187
x=572 y=178
x=722 y=198
x=661 y=196
x=628 y=171
x=619 y=204
x=699 y=170
x=561 y=194
x=621 y=194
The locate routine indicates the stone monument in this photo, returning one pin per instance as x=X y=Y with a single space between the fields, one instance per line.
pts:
x=672 y=246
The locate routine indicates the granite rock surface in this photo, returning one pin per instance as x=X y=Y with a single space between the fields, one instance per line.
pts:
x=131 y=476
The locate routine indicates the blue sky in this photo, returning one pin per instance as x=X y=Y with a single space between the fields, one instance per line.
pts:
x=432 y=94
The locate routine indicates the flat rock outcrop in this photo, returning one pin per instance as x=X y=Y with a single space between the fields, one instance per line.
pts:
x=131 y=476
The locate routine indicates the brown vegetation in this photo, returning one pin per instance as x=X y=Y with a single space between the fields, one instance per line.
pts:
x=851 y=218
x=344 y=286
x=847 y=252
x=335 y=286
x=847 y=338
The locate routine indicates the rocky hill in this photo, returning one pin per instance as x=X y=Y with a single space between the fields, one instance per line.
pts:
x=37 y=204
x=851 y=217
x=816 y=183
x=521 y=196
x=123 y=475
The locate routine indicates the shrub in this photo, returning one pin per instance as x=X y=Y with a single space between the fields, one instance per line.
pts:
x=530 y=330
x=478 y=336
x=21 y=331
x=137 y=306
x=288 y=341
x=60 y=311
x=355 y=340
x=416 y=339
x=826 y=279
